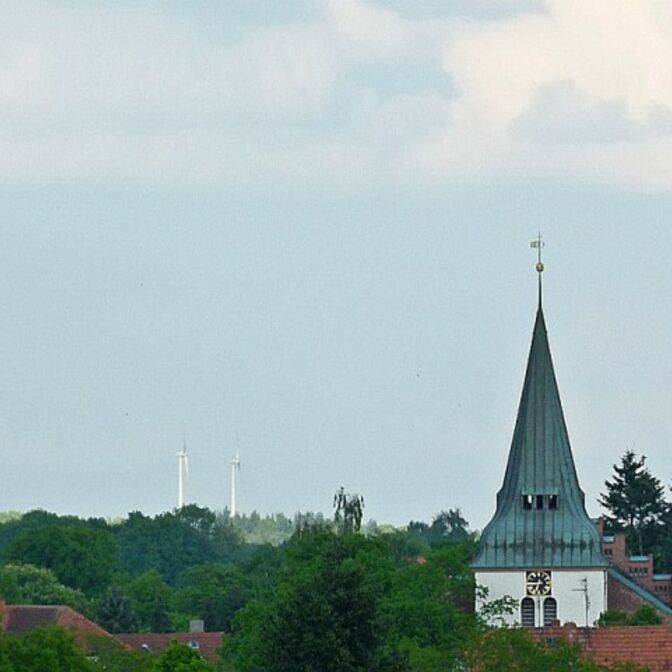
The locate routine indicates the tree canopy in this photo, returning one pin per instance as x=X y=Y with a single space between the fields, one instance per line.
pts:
x=634 y=501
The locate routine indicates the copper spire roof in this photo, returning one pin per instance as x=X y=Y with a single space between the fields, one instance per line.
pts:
x=541 y=520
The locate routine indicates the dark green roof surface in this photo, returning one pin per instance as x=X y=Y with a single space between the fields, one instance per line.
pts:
x=540 y=463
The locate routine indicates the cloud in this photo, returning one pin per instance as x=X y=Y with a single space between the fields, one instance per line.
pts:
x=561 y=113
x=538 y=91
x=474 y=9
x=350 y=94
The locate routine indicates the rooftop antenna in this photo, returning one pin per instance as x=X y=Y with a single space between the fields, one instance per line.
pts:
x=182 y=472
x=586 y=596
x=235 y=467
x=537 y=245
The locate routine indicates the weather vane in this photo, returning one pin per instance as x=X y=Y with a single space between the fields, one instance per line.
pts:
x=537 y=245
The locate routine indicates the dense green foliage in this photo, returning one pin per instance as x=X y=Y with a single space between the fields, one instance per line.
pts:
x=143 y=573
x=331 y=596
x=49 y=649
x=52 y=649
x=635 y=503
x=644 y=615
x=180 y=658
x=332 y=578
x=25 y=584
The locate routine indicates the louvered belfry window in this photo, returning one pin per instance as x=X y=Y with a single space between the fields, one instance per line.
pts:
x=550 y=611
x=527 y=612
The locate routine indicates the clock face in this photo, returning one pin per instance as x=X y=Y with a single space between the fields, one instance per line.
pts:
x=538 y=583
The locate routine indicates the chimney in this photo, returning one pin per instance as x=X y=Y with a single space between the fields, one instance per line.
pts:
x=196 y=626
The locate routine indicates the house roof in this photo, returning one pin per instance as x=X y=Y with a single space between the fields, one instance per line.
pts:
x=208 y=642
x=19 y=618
x=540 y=464
x=646 y=595
x=647 y=646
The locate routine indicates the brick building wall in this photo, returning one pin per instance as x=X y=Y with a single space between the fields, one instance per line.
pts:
x=638 y=567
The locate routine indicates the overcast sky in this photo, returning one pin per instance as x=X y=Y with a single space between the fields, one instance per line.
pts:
x=306 y=224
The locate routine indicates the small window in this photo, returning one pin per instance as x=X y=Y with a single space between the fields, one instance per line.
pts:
x=193 y=644
x=553 y=502
x=550 y=611
x=540 y=501
x=527 y=612
x=527 y=502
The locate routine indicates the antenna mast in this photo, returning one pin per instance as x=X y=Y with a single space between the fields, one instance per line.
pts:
x=586 y=596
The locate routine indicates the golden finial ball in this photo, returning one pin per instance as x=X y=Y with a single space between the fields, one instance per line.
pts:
x=540 y=267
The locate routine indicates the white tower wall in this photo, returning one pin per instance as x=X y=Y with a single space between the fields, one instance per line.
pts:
x=567 y=587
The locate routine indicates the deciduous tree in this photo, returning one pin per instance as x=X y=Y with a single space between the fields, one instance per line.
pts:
x=81 y=557
x=348 y=511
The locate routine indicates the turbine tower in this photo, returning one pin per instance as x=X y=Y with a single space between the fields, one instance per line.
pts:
x=235 y=467
x=182 y=473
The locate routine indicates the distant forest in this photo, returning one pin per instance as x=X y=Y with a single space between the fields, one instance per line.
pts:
x=155 y=573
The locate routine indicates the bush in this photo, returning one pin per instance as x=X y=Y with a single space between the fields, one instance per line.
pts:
x=645 y=615
x=613 y=617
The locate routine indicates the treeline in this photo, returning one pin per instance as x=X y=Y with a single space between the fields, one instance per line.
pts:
x=156 y=573
x=143 y=573
x=331 y=598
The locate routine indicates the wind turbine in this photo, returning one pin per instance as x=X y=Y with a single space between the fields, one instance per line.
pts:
x=182 y=473
x=235 y=467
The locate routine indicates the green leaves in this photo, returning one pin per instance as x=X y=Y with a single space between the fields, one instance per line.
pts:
x=153 y=601
x=634 y=500
x=115 y=612
x=644 y=615
x=26 y=584
x=46 y=649
x=180 y=658
x=214 y=593
x=81 y=557
x=323 y=614
x=348 y=511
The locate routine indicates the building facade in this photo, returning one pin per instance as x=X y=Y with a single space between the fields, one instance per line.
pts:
x=639 y=568
x=541 y=548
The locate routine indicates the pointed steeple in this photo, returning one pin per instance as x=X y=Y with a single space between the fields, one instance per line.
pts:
x=541 y=520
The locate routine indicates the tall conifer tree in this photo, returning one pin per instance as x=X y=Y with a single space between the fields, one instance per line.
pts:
x=633 y=499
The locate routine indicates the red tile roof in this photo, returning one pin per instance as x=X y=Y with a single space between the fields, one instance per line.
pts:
x=19 y=618
x=208 y=642
x=647 y=646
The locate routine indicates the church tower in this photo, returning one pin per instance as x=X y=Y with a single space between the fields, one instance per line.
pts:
x=541 y=548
